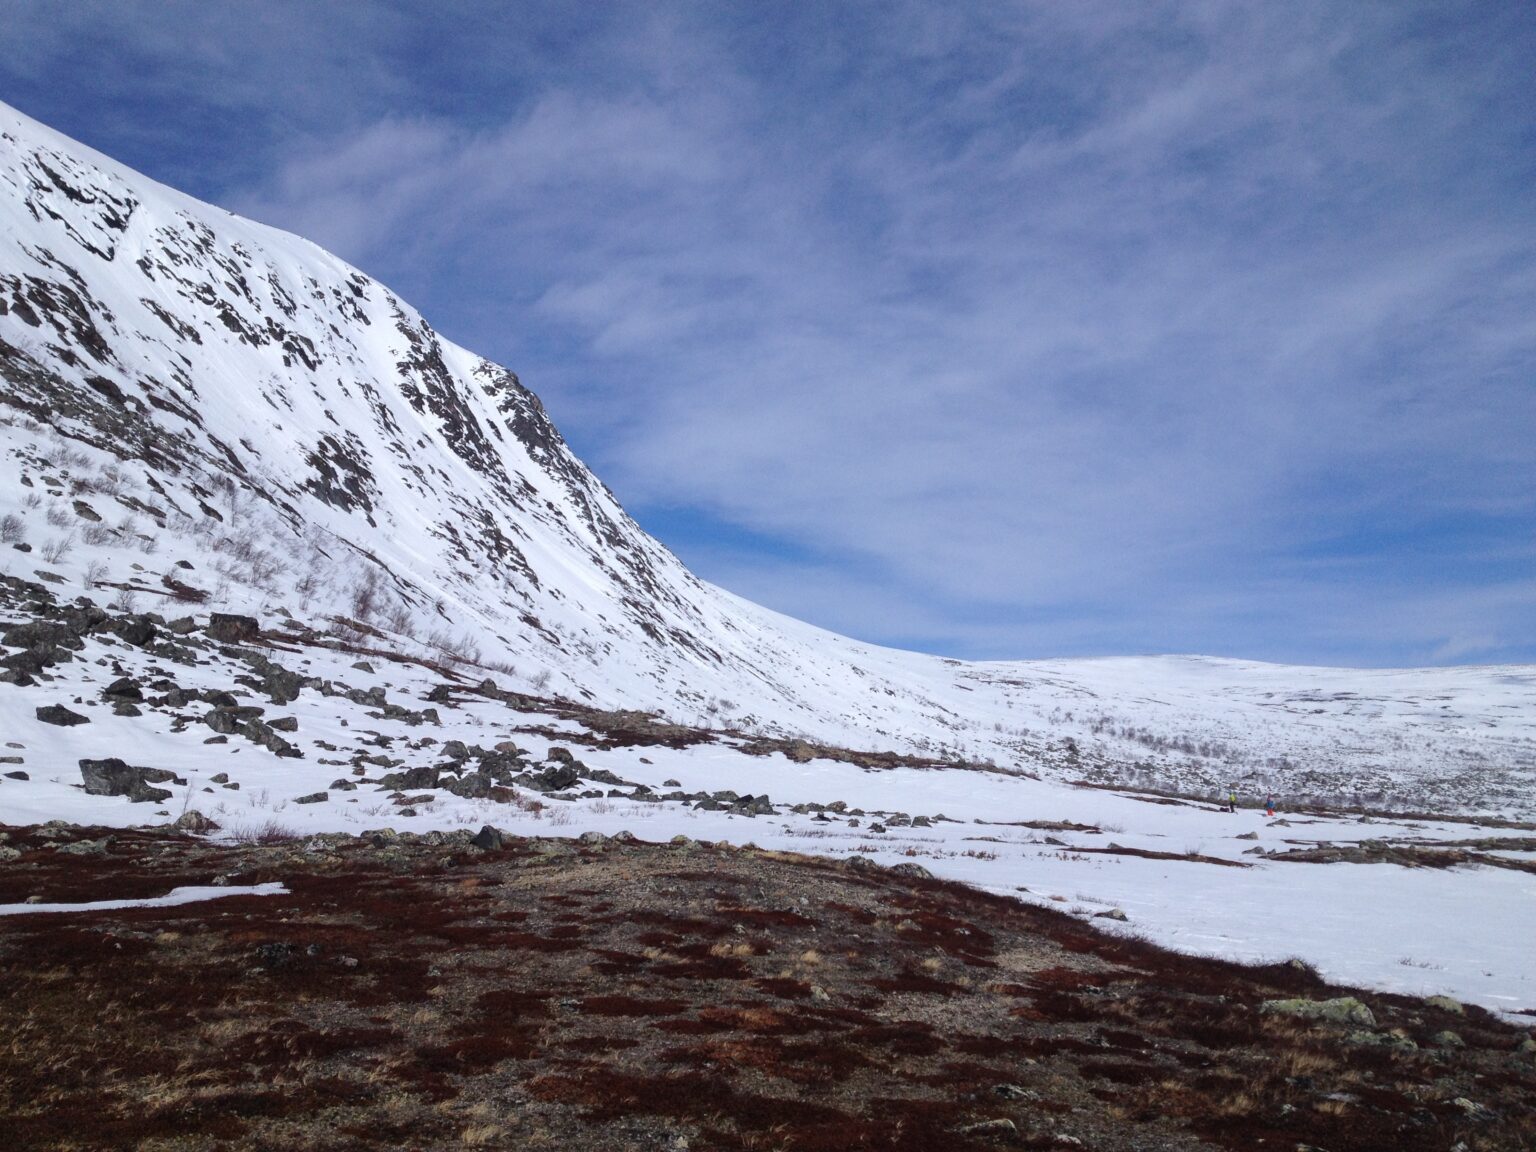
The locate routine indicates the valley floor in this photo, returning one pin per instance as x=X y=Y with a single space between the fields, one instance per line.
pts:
x=382 y=991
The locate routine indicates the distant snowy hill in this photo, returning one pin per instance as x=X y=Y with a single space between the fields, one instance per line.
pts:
x=197 y=404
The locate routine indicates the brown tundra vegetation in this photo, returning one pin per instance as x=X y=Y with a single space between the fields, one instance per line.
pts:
x=419 y=992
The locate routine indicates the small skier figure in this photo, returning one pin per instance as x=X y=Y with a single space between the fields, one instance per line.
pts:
x=1269 y=805
x=1232 y=801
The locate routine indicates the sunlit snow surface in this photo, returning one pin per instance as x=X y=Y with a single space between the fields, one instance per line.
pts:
x=1464 y=932
x=172 y=899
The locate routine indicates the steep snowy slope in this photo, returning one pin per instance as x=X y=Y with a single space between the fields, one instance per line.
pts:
x=203 y=410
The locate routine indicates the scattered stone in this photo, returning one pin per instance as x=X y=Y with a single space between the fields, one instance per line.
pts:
x=913 y=871
x=195 y=821
x=86 y=512
x=1247 y=836
x=1449 y=1039
x=284 y=724
x=363 y=666
x=1112 y=914
x=313 y=798
x=1446 y=1004
x=60 y=715
x=16 y=775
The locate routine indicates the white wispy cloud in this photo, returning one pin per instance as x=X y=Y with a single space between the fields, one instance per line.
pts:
x=1039 y=327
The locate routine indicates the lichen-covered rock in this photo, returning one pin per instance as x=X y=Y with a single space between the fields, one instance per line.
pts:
x=1342 y=1010
x=1397 y=1040
x=195 y=821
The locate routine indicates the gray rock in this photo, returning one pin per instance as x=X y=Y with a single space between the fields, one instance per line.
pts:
x=41 y=635
x=136 y=630
x=1112 y=914
x=195 y=821
x=60 y=715
x=1397 y=1040
x=914 y=871
x=227 y=628
x=488 y=839
x=1343 y=1010
x=1446 y=1004
x=313 y=798
x=997 y=1129
x=412 y=778
x=86 y=848
x=114 y=777
x=123 y=688
x=471 y=786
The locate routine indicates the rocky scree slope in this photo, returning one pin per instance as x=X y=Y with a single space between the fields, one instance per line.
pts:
x=200 y=408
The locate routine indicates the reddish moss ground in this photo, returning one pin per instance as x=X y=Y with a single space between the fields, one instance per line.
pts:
x=633 y=996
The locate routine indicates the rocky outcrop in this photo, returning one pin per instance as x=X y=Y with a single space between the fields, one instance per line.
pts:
x=114 y=777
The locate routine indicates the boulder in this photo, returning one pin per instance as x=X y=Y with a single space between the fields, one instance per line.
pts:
x=312 y=798
x=488 y=839
x=123 y=688
x=1343 y=1010
x=114 y=777
x=227 y=628
x=471 y=786
x=136 y=630
x=552 y=779
x=60 y=715
x=411 y=778
x=41 y=635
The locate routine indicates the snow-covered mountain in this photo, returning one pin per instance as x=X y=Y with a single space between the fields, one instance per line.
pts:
x=192 y=403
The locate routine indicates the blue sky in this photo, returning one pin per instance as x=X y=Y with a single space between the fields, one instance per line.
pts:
x=1007 y=329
